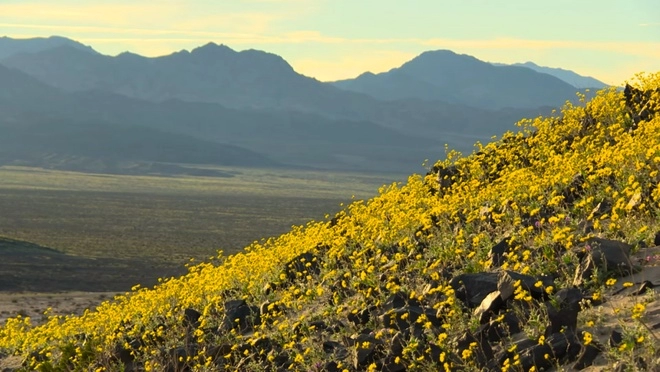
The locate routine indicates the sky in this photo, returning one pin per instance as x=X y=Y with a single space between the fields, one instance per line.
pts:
x=338 y=39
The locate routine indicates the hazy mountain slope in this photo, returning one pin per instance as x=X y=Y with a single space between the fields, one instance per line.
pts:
x=287 y=136
x=37 y=137
x=575 y=79
x=20 y=90
x=446 y=76
x=37 y=120
x=9 y=46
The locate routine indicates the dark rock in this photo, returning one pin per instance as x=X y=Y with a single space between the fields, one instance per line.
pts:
x=405 y=319
x=482 y=353
x=261 y=347
x=609 y=256
x=282 y=361
x=616 y=337
x=574 y=190
x=178 y=358
x=432 y=353
x=495 y=331
x=563 y=314
x=562 y=347
x=390 y=365
x=335 y=348
x=362 y=317
x=497 y=252
x=399 y=300
x=398 y=343
x=301 y=266
x=319 y=325
x=331 y=367
x=643 y=288
x=342 y=291
x=446 y=176
x=638 y=104
x=217 y=353
x=616 y=254
x=587 y=356
x=473 y=288
x=125 y=355
x=240 y=316
x=602 y=208
x=191 y=318
x=528 y=283
x=368 y=349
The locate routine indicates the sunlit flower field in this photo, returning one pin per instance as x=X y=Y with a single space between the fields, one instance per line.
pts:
x=375 y=287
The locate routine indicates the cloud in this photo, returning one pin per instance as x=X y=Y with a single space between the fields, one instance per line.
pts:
x=88 y=13
x=254 y=23
x=656 y=24
x=140 y=17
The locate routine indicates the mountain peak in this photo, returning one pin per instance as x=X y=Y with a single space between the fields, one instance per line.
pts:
x=212 y=48
x=367 y=74
x=438 y=52
x=433 y=58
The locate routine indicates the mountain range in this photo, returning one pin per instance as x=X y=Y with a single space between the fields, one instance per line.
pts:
x=462 y=79
x=65 y=105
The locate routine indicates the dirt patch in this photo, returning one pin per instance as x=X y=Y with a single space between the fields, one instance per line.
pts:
x=35 y=304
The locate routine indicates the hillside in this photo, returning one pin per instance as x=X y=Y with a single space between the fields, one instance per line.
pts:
x=54 y=271
x=443 y=75
x=537 y=251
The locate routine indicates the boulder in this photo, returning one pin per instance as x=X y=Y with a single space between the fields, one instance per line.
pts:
x=240 y=315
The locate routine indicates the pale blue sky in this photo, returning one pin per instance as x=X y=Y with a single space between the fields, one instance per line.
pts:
x=336 y=39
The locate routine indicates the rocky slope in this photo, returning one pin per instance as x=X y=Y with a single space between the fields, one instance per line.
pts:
x=538 y=252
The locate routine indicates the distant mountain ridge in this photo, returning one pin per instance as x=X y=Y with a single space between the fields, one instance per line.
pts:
x=213 y=96
x=570 y=77
x=9 y=46
x=446 y=76
x=210 y=73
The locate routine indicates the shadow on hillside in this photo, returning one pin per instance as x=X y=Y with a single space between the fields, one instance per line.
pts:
x=30 y=267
